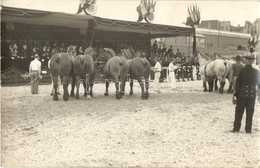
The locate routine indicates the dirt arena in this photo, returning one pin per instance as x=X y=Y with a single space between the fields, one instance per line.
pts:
x=187 y=128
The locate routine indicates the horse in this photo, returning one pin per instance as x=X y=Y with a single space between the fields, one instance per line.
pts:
x=139 y=69
x=230 y=62
x=84 y=69
x=62 y=64
x=116 y=68
x=211 y=68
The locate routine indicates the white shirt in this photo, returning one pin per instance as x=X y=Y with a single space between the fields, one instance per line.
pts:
x=35 y=65
x=171 y=67
x=157 y=67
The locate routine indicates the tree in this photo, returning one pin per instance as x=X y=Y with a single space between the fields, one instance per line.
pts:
x=193 y=20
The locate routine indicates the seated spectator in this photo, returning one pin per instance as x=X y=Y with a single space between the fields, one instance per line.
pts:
x=179 y=54
x=24 y=51
x=80 y=51
x=13 y=51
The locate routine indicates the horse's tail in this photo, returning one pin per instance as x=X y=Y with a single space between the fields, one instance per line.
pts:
x=82 y=59
x=57 y=60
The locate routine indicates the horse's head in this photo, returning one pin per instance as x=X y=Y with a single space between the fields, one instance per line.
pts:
x=90 y=51
x=105 y=54
x=202 y=58
x=72 y=50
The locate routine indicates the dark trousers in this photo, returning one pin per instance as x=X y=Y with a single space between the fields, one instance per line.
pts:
x=242 y=104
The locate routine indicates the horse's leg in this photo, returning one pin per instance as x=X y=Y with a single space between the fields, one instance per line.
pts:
x=131 y=86
x=73 y=86
x=77 y=85
x=88 y=85
x=91 y=86
x=211 y=82
x=222 y=84
x=230 y=87
x=141 y=82
x=147 y=87
x=65 y=88
x=107 y=85
x=122 y=87
x=117 y=89
x=216 y=83
x=55 y=86
x=205 y=86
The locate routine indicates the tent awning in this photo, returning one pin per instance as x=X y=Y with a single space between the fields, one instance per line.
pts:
x=37 y=17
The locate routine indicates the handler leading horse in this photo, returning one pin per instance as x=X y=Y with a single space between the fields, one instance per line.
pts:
x=209 y=69
x=62 y=64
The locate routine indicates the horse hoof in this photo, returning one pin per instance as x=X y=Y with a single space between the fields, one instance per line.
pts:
x=77 y=97
x=65 y=98
x=72 y=94
x=147 y=96
x=55 y=97
x=205 y=90
x=106 y=94
x=131 y=92
x=220 y=91
x=88 y=97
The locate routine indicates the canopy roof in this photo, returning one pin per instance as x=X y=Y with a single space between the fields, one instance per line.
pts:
x=37 y=17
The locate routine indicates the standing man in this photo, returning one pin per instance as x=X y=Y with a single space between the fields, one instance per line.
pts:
x=235 y=69
x=157 y=73
x=172 y=67
x=245 y=94
x=35 y=73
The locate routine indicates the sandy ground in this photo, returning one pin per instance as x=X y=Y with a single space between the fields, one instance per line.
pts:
x=187 y=128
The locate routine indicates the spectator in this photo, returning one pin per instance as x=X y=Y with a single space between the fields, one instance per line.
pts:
x=13 y=51
x=33 y=52
x=23 y=51
x=80 y=51
x=160 y=50
x=169 y=51
x=179 y=54
x=164 y=49
x=155 y=47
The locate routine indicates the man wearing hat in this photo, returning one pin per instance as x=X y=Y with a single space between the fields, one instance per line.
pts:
x=235 y=69
x=35 y=73
x=245 y=94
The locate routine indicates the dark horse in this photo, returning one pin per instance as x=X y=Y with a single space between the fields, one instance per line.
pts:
x=84 y=69
x=116 y=69
x=139 y=69
x=62 y=64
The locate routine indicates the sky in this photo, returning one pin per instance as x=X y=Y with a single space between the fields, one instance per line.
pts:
x=169 y=12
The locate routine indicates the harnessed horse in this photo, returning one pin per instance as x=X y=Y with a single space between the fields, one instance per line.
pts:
x=116 y=69
x=139 y=69
x=84 y=72
x=211 y=68
x=62 y=64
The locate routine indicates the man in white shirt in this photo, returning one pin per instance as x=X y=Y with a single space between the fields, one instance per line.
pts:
x=157 y=73
x=35 y=73
x=172 y=79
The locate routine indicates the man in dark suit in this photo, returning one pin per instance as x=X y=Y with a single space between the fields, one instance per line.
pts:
x=245 y=94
